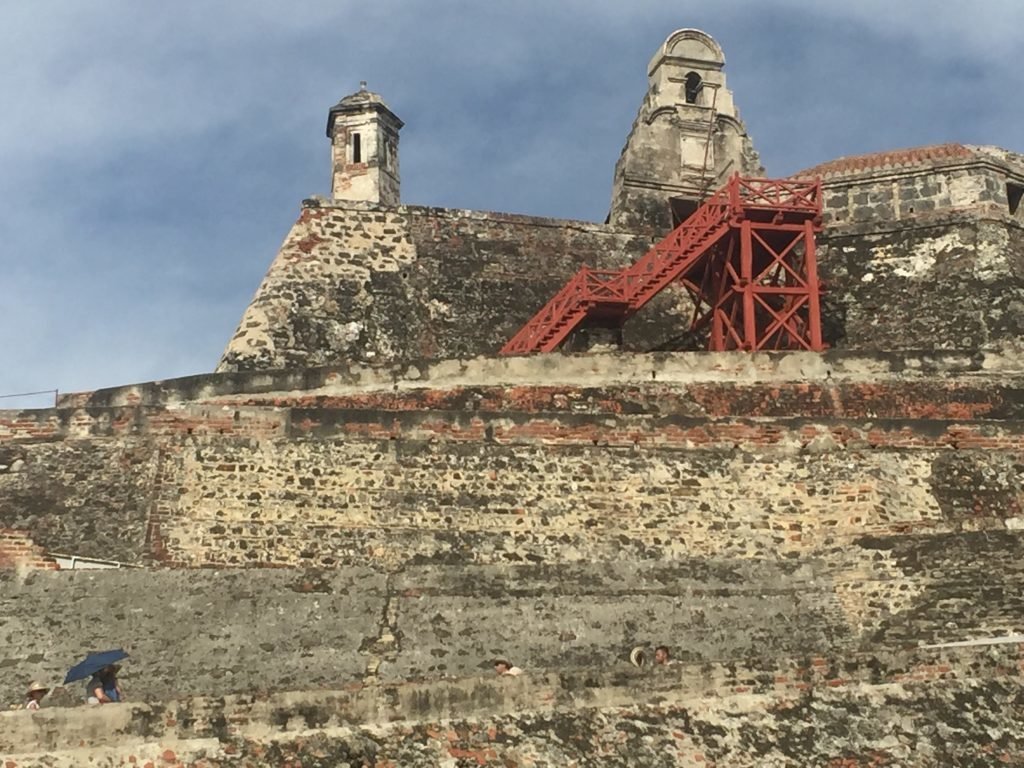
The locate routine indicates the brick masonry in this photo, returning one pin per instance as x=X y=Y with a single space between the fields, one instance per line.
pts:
x=19 y=551
x=394 y=533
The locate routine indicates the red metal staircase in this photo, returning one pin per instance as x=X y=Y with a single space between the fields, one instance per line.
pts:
x=746 y=257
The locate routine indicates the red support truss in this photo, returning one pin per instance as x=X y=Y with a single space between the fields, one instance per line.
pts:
x=746 y=257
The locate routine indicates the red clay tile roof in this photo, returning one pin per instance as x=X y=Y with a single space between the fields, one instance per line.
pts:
x=893 y=159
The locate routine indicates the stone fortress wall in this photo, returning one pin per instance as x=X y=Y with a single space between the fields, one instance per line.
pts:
x=901 y=186
x=314 y=553
x=924 y=244
x=795 y=524
x=740 y=505
x=357 y=282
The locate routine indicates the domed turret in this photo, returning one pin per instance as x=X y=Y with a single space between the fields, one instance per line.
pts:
x=687 y=138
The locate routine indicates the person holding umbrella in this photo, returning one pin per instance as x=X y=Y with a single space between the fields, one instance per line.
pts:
x=101 y=670
x=103 y=687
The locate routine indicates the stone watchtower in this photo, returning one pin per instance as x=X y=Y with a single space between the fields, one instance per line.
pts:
x=364 y=149
x=687 y=138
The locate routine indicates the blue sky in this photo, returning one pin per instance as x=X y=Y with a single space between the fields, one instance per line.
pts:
x=154 y=154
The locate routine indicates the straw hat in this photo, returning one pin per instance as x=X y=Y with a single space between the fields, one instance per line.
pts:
x=37 y=687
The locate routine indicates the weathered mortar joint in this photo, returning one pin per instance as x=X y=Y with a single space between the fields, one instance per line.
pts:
x=386 y=646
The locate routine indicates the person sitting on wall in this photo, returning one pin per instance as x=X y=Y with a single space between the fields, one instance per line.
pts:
x=35 y=694
x=103 y=687
x=662 y=656
x=504 y=667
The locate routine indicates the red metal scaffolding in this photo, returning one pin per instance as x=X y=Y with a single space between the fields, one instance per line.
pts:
x=746 y=257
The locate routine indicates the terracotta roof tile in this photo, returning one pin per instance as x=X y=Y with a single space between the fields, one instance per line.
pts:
x=897 y=158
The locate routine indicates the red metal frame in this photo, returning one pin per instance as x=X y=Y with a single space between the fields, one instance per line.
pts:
x=746 y=257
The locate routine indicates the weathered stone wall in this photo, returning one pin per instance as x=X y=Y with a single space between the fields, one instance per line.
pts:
x=924 y=708
x=357 y=285
x=421 y=532
x=356 y=467
x=80 y=497
x=211 y=632
x=190 y=632
x=363 y=525
x=417 y=533
x=318 y=486
x=363 y=283
x=954 y=284
x=917 y=184
x=922 y=244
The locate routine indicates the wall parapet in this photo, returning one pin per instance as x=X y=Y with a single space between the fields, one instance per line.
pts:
x=581 y=370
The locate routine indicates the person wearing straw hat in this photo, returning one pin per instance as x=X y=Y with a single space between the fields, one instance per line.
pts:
x=35 y=694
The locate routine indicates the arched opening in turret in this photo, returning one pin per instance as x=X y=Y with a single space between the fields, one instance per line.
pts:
x=1014 y=193
x=693 y=86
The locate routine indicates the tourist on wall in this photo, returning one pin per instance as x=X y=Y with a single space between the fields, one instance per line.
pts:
x=35 y=694
x=503 y=667
x=103 y=687
x=662 y=655
x=101 y=672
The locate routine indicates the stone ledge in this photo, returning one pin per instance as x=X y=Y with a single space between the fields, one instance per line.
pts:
x=560 y=369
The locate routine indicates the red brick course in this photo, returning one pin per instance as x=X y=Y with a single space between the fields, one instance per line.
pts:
x=17 y=550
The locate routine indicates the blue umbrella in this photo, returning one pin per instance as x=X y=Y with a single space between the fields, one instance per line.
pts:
x=93 y=663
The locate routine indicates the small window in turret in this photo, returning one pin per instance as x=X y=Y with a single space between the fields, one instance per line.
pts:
x=693 y=86
x=1014 y=192
x=357 y=149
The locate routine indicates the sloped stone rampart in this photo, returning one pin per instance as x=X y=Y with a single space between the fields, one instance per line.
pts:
x=351 y=526
x=362 y=283
x=395 y=285
x=190 y=632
